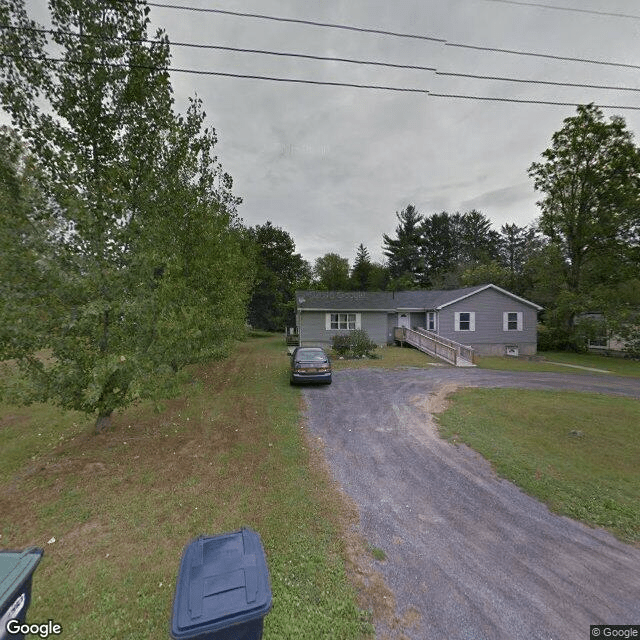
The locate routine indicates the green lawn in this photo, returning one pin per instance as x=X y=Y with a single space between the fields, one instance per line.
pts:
x=121 y=506
x=390 y=357
x=555 y=361
x=576 y=452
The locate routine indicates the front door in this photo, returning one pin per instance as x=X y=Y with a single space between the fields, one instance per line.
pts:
x=403 y=320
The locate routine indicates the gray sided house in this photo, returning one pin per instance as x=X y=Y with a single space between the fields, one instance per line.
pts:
x=491 y=320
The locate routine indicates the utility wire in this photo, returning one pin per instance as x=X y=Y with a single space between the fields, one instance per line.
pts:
x=573 y=9
x=318 y=82
x=541 y=55
x=543 y=82
x=117 y=65
x=295 y=20
x=335 y=59
x=224 y=48
x=392 y=33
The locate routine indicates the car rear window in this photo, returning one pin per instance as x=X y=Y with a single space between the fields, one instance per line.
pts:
x=310 y=355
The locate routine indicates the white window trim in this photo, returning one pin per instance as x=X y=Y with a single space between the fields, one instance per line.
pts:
x=435 y=321
x=472 y=321
x=505 y=321
x=327 y=320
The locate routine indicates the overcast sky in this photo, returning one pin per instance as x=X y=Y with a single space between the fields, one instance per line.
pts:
x=333 y=165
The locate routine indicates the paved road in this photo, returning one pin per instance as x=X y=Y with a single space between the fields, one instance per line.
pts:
x=476 y=557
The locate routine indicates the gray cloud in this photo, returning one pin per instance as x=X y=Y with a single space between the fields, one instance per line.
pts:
x=333 y=165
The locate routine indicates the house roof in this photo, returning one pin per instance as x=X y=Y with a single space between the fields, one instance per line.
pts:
x=392 y=300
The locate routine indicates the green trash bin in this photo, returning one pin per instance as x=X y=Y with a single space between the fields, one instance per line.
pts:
x=16 y=572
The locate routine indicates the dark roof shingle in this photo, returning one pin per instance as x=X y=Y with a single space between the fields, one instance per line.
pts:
x=388 y=300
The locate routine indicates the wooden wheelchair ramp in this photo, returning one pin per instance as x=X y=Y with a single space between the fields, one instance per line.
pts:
x=450 y=351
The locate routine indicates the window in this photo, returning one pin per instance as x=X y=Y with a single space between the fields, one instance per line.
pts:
x=431 y=320
x=348 y=321
x=465 y=321
x=512 y=321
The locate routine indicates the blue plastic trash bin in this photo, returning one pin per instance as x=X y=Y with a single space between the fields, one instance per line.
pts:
x=16 y=573
x=223 y=590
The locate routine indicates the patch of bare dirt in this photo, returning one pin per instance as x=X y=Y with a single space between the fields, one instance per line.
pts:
x=11 y=420
x=436 y=402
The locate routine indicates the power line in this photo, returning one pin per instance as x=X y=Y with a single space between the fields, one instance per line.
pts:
x=117 y=65
x=541 y=55
x=313 y=23
x=319 y=82
x=397 y=34
x=544 y=82
x=573 y=9
x=225 y=48
x=336 y=59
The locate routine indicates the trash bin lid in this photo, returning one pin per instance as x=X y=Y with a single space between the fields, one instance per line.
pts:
x=15 y=568
x=223 y=581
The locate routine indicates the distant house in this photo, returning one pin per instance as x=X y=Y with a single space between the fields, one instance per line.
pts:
x=608 y=342
x=491 y=320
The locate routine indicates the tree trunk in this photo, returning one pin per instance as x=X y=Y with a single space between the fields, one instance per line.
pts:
x=103 y=422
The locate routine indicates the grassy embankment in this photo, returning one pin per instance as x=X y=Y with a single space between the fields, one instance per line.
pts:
x=576 y=452
x=229 y=452
x=390 y=357
x=556 y=362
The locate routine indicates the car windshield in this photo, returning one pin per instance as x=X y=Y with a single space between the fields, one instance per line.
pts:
x=311 y=355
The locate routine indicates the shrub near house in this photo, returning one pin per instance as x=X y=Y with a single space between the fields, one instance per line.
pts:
x=355 y=344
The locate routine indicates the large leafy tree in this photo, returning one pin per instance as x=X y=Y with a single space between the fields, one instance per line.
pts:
x=280 y=271
x=331 y=272
x=143 y=253
x=589 y=179
x=23 y=248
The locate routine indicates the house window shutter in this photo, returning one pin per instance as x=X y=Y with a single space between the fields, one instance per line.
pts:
x=505 y=321
x=358 y=321
x=519 y=320
x=327 y=321
x=457 y=321
x=472 y=321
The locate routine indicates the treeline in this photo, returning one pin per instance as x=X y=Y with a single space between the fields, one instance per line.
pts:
x=580 y=259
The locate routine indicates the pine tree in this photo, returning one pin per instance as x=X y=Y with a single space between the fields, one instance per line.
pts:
x=403 y=252
x=362 y=270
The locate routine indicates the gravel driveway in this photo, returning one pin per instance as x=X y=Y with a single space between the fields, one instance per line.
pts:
x=475 y=557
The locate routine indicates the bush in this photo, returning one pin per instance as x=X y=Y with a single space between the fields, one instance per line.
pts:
x=354 y=344
x=361 y=344
x=560 y=339
x=341 y=344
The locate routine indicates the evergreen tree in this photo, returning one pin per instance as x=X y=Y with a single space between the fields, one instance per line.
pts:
x=362 y=270
x=440 y=245
x=404 y=258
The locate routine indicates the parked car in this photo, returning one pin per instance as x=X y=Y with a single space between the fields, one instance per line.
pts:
x=310 y=364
